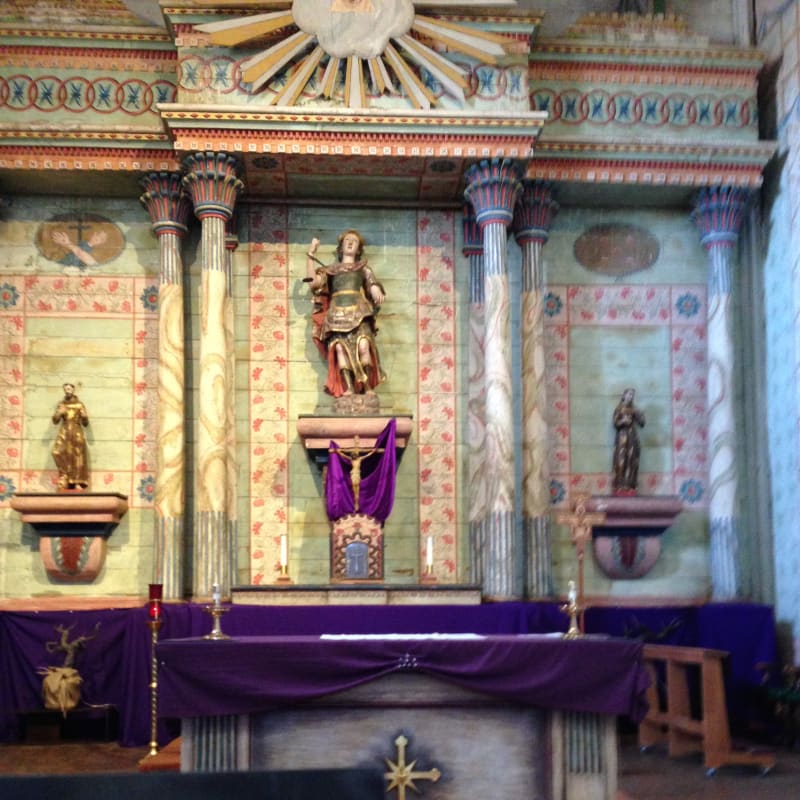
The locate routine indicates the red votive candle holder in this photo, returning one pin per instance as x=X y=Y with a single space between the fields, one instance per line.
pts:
x=154 y=605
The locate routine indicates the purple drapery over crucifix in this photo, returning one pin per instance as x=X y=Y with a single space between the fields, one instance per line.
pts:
x=375 y=469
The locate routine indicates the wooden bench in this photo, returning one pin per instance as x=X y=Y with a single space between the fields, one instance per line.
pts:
x=670 y=716
x=98 y=722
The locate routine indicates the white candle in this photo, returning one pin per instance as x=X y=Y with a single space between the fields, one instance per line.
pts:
x=429 y=552
x=284 y=550
x=215 y=596
x=572 y=595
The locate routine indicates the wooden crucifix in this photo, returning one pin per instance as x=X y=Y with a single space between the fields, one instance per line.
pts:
x=354 y=456
x=580 y=522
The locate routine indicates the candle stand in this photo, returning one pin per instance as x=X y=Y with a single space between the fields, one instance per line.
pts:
x=573 y=609
x=154 y=622
x=216 y=610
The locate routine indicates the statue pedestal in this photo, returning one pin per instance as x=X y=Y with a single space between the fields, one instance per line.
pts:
x=317 y=432
x=356 y=538
x=73 y=528
x=628 y=543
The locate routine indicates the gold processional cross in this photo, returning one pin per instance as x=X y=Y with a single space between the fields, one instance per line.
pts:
x=580 y=522
x=402 y=775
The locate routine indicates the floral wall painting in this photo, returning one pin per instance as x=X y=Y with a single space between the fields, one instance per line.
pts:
x=79 y=241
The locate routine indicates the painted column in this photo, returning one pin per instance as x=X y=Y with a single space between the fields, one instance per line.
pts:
x=169 y=207
x=533 y=217
x=718 y=213
x=476 y=395
x=213 y=182
x=492 y=189
x=231 y=243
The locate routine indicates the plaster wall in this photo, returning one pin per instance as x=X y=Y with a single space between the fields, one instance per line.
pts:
x=97 y=326
x=779 y=31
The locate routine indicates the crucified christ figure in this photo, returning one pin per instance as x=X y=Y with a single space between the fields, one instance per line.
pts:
x=354 y=456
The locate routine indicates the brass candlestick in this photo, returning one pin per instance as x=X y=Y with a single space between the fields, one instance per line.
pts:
x=154 y=625
x=216 y=610
x=573 y=608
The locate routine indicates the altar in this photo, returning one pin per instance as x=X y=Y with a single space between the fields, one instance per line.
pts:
x=455 y=715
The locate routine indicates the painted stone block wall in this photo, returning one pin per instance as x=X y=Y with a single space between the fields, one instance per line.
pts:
x=607 y=329
x=779 y=32
x=78 y=304
x=96 y=324
x=413 y=254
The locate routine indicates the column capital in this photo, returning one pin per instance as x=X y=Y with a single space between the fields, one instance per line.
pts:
x=167 y=202
x=492 y=189
x=533 y=214
x=212 y=179
x=473 y=242
x=718 y=213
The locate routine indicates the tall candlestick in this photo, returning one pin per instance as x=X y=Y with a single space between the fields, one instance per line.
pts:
x=429 y=553
x=284 y=552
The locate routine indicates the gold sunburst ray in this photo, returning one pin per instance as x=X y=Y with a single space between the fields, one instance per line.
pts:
x=453 y=80
x=354 y=84
x=328 y=83
x=380 y=76
x=259 y=69
x=417 y=93
x=480 y=45
x=231 y=32
x=297 y=82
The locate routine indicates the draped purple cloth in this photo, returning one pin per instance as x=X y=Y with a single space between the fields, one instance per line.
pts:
x=116 y=665
x=251 y=674
x=113 y=665
x=376 y=496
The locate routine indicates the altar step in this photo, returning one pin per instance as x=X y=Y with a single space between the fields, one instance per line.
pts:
x=167 y=759
x=425 y=594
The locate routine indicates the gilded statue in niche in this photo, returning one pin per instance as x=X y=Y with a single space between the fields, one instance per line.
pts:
x=346 y=299
x=70 y=451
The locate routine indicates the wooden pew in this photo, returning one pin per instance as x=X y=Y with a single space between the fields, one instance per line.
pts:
x=670 y=716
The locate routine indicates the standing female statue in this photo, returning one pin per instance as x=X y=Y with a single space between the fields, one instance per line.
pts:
x=626 y=444
x=347 y=298
x=70 y=451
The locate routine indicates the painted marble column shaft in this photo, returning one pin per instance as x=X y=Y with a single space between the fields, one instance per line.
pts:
x=213 y=182
x=231 y=487
x=718 y=213
x=492 y=189
x=169 y=207
x=476 y=395
x=533 y=217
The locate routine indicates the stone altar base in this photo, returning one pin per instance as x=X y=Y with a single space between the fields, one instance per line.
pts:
x=459 y=744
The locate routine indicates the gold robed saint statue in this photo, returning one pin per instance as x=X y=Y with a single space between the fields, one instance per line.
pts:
x=347 y=297
x=70 y=451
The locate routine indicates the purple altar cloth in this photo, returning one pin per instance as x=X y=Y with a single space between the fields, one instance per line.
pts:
x=116 y=664
x=251 y=674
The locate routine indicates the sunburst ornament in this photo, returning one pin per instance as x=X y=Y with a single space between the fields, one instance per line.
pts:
x=383 y=38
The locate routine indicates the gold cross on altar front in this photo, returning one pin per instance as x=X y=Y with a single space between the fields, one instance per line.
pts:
x=580 y=522
x=402 y=775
